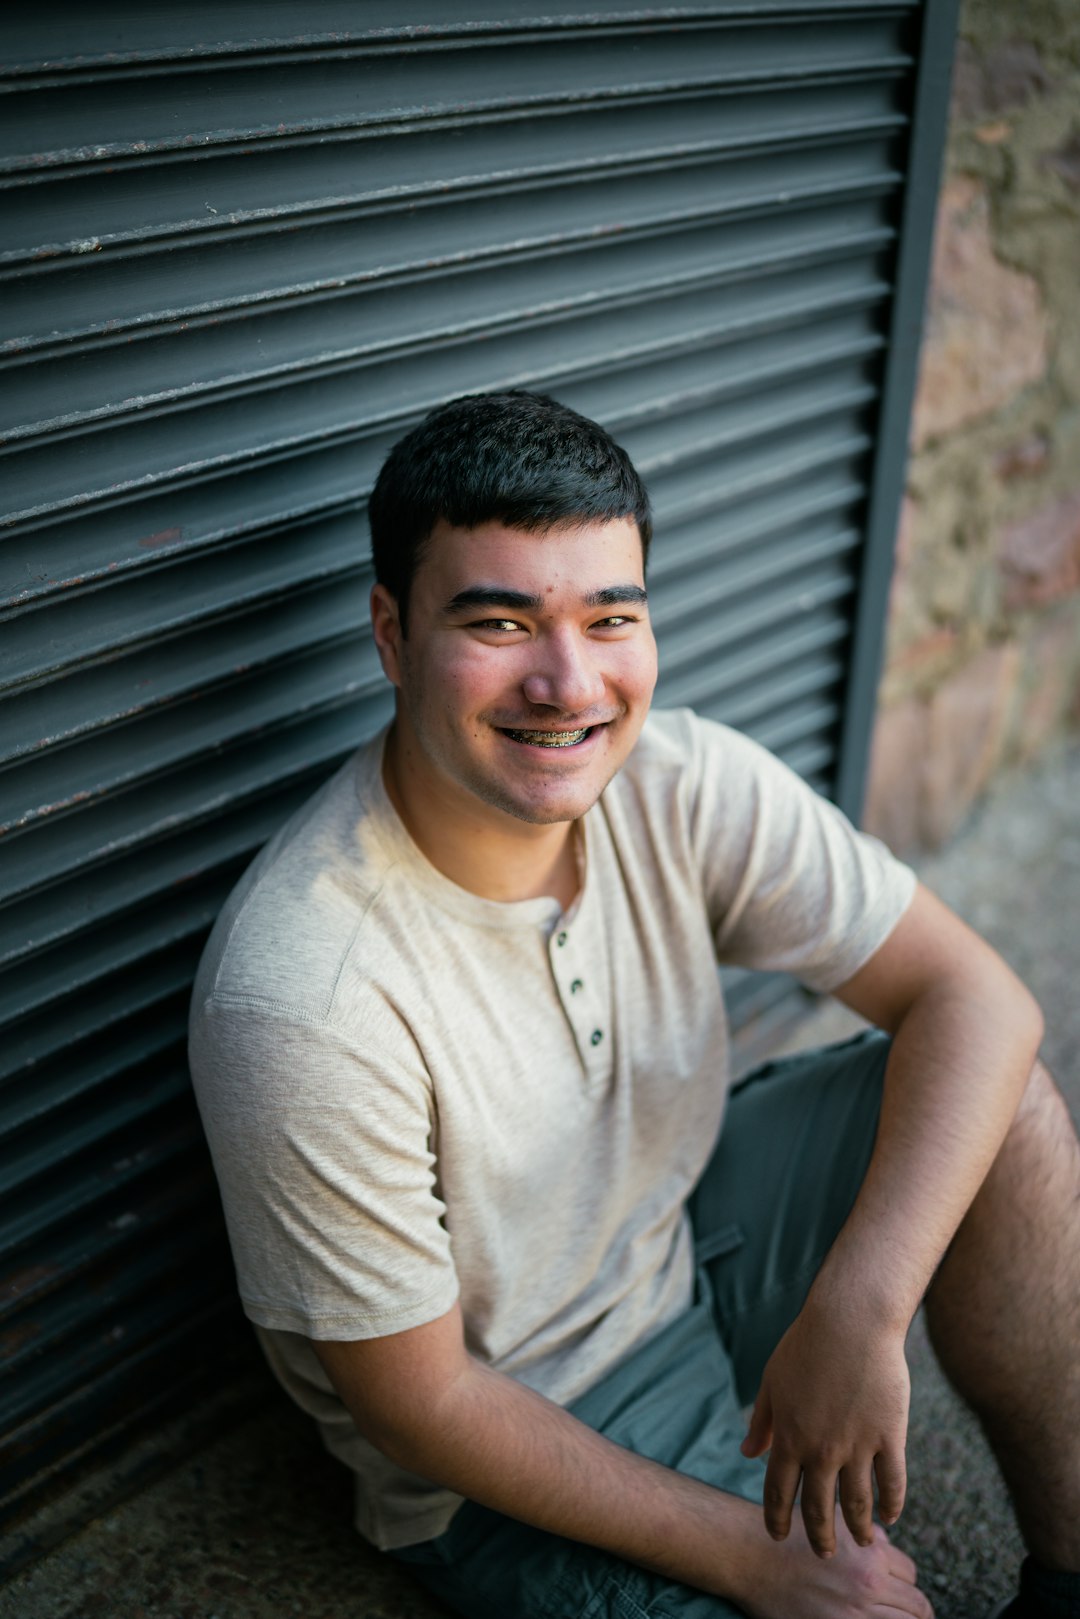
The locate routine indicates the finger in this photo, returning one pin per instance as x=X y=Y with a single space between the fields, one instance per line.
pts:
x=819 y=1509
x=857 y=1501
x=781 y=1483
x=901 y=1566
x=759 y=1434
x=891 y=1471
x=906 y=1600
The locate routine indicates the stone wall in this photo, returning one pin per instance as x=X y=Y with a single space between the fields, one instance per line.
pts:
x=982 y=661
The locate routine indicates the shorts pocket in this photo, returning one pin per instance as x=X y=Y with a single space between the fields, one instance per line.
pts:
x=716 y=1243
x=615 y=1600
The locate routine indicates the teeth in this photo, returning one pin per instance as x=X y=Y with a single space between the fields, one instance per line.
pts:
x=550 y=739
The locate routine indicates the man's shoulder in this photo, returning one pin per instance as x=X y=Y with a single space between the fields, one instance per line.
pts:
x=289 y=924
x=698 y=786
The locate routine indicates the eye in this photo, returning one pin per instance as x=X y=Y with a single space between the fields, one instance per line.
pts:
x=616 y=621
x=499 y=626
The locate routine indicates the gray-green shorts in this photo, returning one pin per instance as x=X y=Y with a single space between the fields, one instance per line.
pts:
x=794 y=1149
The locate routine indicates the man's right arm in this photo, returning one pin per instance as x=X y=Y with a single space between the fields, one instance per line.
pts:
x=433 y=1409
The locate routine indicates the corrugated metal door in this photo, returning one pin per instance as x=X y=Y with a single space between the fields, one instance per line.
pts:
x=245 y=245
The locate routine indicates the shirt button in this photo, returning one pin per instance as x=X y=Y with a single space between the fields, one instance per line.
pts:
x=576 y=985
x=561 y=940
x=596 y=1036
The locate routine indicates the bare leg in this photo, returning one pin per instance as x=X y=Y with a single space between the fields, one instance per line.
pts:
x=1004 y=1319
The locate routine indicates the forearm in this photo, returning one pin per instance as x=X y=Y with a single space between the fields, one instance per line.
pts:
x=833 y=1402
x=502 y=1445
x=961 y=1056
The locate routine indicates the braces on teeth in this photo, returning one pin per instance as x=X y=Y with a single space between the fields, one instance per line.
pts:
x=550 y=739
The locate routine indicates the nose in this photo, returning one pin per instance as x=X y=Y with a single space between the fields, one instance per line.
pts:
x=564 y=674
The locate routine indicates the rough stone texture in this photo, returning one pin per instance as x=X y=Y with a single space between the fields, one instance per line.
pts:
x=1027 y=458
x=968 y=85
x=1053 y=27
x=1064 y=161
x=945 y=582
x=1040 y=554
x=985 y=336
x=930 y=760
x=929 y=659
x=966 y=726
x=1050 y=683
x=893 y=809
x=993 y=134
x=989 y=549
x=905 y=533
x=1002 y=79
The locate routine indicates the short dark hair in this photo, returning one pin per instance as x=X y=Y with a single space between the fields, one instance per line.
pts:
x=518 y=458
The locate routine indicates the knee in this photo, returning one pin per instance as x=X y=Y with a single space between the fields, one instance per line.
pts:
x=1042 y=1119
x=1041 y=1099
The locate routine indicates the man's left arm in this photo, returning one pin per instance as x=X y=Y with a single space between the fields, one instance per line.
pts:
x=833 y=1400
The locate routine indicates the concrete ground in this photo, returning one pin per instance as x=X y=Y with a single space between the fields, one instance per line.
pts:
x=256 y=1524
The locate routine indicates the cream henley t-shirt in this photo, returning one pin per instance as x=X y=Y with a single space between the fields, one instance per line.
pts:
x=413 y=1094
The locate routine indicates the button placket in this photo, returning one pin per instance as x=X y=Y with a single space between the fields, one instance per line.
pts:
x=597 y=1037
x=582 y=989
x=582 y=1015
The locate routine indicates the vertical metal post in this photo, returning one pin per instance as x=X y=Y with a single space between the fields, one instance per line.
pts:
x=928 y=125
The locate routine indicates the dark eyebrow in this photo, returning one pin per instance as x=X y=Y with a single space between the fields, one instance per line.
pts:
x=519 y=601
x=494 y=596
x=617 y=596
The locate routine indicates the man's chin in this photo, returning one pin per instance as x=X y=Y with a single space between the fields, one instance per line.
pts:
x=544 y=808
x=552 y=817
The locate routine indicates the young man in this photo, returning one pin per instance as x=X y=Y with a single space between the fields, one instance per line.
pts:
x=460 y=1050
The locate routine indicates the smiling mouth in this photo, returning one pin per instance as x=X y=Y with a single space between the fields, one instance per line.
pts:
x=549 y=739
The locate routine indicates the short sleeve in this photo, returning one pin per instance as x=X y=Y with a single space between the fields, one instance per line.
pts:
x=790 y=884
x=325 y=1160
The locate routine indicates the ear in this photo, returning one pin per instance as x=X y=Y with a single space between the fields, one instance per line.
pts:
x=386 y=628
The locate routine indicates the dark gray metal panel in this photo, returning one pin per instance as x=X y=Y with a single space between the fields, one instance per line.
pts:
x=140 y=36
x=50 y=121
x=931 y=106
x=243 y=248
x=223 y=195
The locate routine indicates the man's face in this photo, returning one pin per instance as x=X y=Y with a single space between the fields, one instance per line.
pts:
x=528 y=668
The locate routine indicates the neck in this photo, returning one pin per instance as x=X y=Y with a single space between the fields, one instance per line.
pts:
x=482 y=849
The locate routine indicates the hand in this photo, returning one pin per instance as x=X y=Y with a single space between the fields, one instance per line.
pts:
x=860 y=1582
x=833 y=1407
